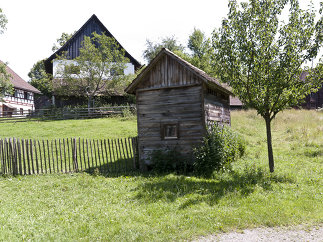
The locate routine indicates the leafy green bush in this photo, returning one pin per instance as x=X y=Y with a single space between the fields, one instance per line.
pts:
x=170 y=160
x=219 y=149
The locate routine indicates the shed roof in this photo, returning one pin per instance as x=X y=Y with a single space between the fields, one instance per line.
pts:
x=210 y=81
x=20 y=83
x=93 y=24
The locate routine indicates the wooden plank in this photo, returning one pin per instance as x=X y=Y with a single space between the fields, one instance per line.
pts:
x=91 y=154
x=88 y=154
x=41 y=170
x=60 y=153
x=44 y=149
x=80 y=155
x=114 y=155
x=94 y=148
x=50 y=170
x=65 y=160
x=27 y=155
x=106 y=154
x=110 y=154
x=99 y=159
x=68 y=154
x=84 y=160
x=36 y=156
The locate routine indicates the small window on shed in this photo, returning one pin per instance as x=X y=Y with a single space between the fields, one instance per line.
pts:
x=170 y=131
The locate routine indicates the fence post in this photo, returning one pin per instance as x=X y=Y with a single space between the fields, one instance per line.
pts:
x=75 y=155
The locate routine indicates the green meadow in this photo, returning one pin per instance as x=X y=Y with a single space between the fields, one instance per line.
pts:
x=170 y=207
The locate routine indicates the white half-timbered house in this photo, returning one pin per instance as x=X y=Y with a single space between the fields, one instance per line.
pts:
x=21 y=101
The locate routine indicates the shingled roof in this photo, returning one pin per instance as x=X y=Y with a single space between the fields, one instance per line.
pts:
x=72 y=46
x=205 y=77
x=20 y=83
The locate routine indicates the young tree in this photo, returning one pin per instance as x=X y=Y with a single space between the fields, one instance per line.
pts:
x=261 y=57
x=5 y=83
x=40 y=79
x=168 y=42
x=99 y=69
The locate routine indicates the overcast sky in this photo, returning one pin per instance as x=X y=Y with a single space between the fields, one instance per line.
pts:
x=34 y=25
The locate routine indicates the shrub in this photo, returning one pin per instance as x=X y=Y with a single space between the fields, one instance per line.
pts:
x=170 y=160
x=221 y=146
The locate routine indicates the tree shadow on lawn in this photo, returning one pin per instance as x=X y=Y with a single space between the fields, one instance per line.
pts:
x=170 y=188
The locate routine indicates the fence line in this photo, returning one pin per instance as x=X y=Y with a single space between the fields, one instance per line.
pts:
x=65 y=113
x=30 y=156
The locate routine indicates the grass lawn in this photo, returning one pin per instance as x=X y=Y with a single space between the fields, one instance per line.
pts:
x=170 y=207
x=85 y=128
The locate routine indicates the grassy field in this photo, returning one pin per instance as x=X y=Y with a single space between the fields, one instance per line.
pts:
x=85 y=128
x=170 y=207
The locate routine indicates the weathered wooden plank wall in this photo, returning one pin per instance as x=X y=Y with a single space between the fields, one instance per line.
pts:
x=180 y=105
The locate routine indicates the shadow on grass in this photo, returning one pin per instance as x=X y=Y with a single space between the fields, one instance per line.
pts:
x=170 y=188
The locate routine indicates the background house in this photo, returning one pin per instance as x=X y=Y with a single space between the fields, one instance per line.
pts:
x=175 y=102
x=21 y=102
x=72 y=47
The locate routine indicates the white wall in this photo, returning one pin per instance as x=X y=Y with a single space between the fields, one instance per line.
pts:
x=59 y=64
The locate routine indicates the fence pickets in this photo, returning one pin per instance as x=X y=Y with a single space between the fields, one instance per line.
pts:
x=27 y=156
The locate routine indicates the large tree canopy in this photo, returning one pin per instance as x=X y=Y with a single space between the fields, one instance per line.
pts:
x=201 y=51
x=262 y=58
x=99 y=69
x=168 y=42
x=40 y=79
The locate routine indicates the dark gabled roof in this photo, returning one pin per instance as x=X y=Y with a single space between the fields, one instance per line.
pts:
x=205 y=77
x=20 y=83
x=73 y=45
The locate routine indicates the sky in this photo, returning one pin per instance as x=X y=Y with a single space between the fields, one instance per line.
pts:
x=34 y=25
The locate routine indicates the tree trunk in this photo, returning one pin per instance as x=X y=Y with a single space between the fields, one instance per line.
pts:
x=269 y=145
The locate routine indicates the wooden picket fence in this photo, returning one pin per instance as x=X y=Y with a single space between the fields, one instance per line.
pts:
x=27 y=156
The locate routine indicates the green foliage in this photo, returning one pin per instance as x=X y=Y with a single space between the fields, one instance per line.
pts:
x=201 y=51
x=220 y=148
x=261 y=57
x=100 y=64
x=170 y=160
x=61 y=41
x=40 y=79
x=5 y=83
x=152 y=49
x=3 y=21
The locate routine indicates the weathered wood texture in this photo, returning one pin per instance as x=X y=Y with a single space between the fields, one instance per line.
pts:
x=170 y=105
x=217 y=107
x=168 y=73
x=172 y=93
x=26 y=157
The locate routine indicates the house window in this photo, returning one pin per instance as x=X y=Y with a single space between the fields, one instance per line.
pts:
x=170 y=131
x=26 y=95
x=16 y=93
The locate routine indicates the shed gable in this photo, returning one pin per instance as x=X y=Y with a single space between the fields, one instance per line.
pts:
x=168 y=72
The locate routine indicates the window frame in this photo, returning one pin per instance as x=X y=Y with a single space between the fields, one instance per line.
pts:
x=163 y=127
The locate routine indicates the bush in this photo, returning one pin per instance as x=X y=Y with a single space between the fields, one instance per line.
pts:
x=169 y=160
x=220 y=148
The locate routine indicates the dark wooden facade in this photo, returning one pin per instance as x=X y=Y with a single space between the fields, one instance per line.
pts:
x=175 y=102
x=73 y=45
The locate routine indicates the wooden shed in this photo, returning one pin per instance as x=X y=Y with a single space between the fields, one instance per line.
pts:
x=175 y=102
